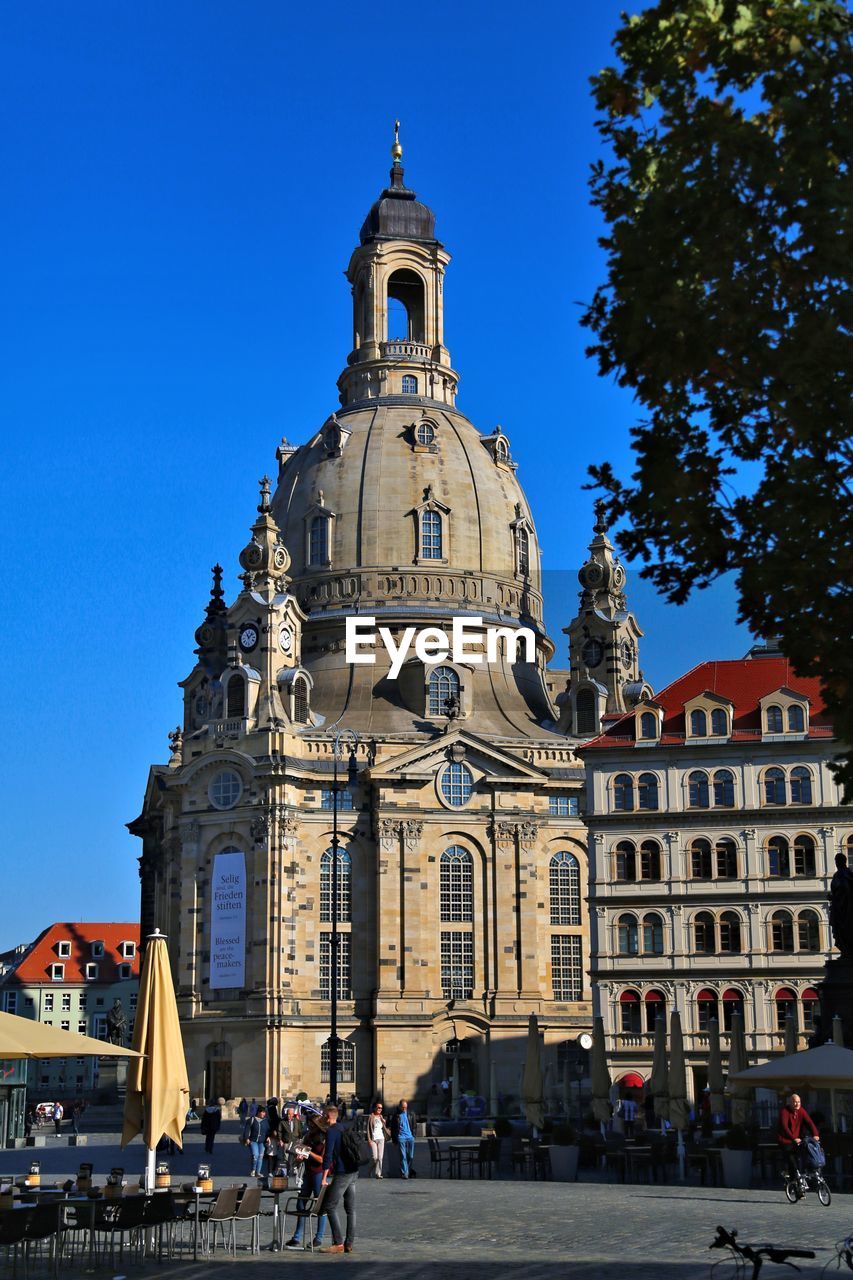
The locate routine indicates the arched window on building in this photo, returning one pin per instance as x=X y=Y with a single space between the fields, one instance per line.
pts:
x=719 y=723
x=344 y=883
x=444 y=690
x=410 y=384
x=522 y=550
x=782 y=931
x=808 y=931
x=697 y=789
x=778 y=857
x=318 y=540
x=346 y=1061
x=629 y=1013
x=707 y=1006
x=786 y=1007
x=774 y=786
x=804 y=856
x=456 y=898
x=801 y=785
x=652 y=934
x=648 y=726
x=431 y=539
x=623 y=792
x=704 y=940
x=585 y=716
x=732 y=1004
x=650 y=860
x=300 y=700
x=701 y=863
x=626 y=861
x=698 y=724
x=730 y=940
x=796 y=719
x=628 y=935
x=235 y=701
x=565 y=881
x=774 y=720
x=647 y=791
x=724 y=789
x=655 y=1005
x=811 y=1008
x=725 y=852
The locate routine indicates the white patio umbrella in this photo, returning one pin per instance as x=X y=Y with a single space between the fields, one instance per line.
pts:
x=531 y=1084
x=741 y=1103
x=679 y=1112
x=716 y=1082
x=659 y=1079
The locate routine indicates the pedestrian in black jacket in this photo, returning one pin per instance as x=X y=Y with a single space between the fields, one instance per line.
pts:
x=211 y=1121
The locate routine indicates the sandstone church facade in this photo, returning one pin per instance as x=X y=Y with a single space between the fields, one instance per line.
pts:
x=463 y=873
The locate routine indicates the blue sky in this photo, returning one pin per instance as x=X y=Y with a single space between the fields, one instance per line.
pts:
x=184 y=184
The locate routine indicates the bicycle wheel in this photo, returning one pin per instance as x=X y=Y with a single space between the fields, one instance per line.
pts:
x=824 y=1194
x=792 y=1191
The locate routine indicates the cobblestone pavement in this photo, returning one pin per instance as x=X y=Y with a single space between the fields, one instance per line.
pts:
x=473 y=1230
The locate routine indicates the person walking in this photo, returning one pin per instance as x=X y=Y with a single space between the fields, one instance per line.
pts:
x=211 y=1121
x=76 y=1113
x=377 y=1135
x=404 y=1138
x=312 y=1181
x=58 y=1113
x=243 y=1111
x=343 y=1186
x=257 y=1130
x=792 y=1117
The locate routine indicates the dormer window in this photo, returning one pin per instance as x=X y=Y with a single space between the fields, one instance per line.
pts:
x=431 y=538
x=97 y=950
x=57 y=973
x=522 y=551
x=300 y=700
x=773 y=716
x=127 y=949
x=318 y=541
x=124 y=972
x=648 y=726
x=501 y=450
x=698 y=724
x=796 y=719
x=63 y=950
x=235 y=702
x=719 y=723
x=91 y=973
x=444 y=691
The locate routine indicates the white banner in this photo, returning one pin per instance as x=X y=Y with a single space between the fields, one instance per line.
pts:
x=228 y=920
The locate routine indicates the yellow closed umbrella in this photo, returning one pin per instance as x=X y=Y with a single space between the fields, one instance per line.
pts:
x=741 y=1107
x=659 y=1079
x=531 y=1083
x=158 y=1089
x=716 y=1080
x=792 y=1035
x=601 y=1082
x=24 y=1038
x=679 y=1112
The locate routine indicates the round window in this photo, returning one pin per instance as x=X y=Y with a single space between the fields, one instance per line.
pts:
x=225 y=789
x=426 y=433
x=456 y=784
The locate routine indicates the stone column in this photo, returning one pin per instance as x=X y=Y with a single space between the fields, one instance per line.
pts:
x=506 y=978
x=390 y=925
x=527 y=912
x=411 y=943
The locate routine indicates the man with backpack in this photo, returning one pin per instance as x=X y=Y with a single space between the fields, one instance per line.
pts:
x=793 y=1117
x=341 y=1162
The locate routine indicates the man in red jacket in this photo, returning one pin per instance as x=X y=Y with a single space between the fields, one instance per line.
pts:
x=792 y=1117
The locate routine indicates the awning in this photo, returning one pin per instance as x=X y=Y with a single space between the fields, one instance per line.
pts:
x=810 y=994
x=707 y=995
x=632 y=1081
x=734 y=997
x=629 y=997
x=654 y=997
x=785 y=993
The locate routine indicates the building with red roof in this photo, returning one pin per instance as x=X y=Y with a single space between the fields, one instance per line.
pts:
x=714 y=823
x=72 y=977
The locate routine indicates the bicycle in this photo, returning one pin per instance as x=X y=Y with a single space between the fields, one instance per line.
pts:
x=812 y=1180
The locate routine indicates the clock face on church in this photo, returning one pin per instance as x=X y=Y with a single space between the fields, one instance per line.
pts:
x=285 y=638
x=592 y=652
x=248 y=637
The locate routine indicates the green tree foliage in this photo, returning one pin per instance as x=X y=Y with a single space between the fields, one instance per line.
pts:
x=727 y=310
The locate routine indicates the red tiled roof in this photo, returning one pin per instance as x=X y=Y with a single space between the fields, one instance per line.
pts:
x=35 y=966
x=743 y=681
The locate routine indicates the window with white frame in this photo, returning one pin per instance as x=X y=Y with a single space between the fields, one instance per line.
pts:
x=566 y=967
x=522 y=551
x=224 y=791
x=564 y=806
x=128 y=950
x=318 y=540
x=431 y=540
x=346 y=1062
x=456 y=783
x=344 y=882
x=125 y=971
x=444 y=688
x=91 y=973
x=456 y=892
x=344 y=988
x=65 y=1000
x=48 y=1002
x=565 y=884
x=97 y=950
x=57 y=973
x=327 y=799
x=81 y=1026
x=63 y=950
x=457 y=964
x=410 y=384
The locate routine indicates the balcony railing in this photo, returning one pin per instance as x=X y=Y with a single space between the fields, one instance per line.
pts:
x=403 y=349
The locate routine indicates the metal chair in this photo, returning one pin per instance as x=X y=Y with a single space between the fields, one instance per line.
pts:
x=437 y=1157
x=42 y=1227
x=249 y=1210
x=13 y=1230
x=121 y=1218
x=221 y=1213
x=312 y=1209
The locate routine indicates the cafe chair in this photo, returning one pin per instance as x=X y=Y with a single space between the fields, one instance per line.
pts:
x=249 y=1210
x=220 y=1214
x=312 y=1212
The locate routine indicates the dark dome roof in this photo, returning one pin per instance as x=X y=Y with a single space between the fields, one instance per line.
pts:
x=398 y=215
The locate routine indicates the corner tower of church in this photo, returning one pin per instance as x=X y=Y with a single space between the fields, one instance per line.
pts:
x=462 y=869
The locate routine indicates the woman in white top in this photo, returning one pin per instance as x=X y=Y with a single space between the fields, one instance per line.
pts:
x=377 y=1132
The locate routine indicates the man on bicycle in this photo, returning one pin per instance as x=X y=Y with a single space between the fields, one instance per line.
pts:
x=792 y=1117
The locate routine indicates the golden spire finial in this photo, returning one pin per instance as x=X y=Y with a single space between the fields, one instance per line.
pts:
x=396 y=149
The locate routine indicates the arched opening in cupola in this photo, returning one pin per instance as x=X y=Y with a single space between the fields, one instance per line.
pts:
x=405 y=308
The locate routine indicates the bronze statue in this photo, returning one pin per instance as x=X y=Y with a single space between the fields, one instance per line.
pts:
x=841 y=907
x=116 y=1024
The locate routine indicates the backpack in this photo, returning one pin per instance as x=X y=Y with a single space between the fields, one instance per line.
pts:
x=815 y=1153
x=355 y=1152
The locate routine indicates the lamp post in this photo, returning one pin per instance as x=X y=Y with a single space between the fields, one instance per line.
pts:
x=382 y=1071
x=352 y=780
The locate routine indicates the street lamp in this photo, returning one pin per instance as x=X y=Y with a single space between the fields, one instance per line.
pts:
x=351 y=782
x=382 y=1071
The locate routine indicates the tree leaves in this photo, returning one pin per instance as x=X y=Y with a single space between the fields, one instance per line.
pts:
x=727 y=310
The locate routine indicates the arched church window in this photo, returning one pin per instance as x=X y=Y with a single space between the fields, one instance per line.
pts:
x=405 y=307
x=318 y=541
x=456 y=897
x=235 y=703
x=344 y=892
x=430 y=535
x=565 y=879
x=444 y=687
x=522 y=547
x=346 y=1061
x=456 y=783
x=300 y=700
x=410 y=384
x=585 y=711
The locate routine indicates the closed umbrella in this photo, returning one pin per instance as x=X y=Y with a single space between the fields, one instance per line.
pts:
x=739 y=1094
x=716 y=1081
x=601 y=1083
x=454 y=1090
x=679 y=1113
x=493 y=1090
x=792 y=1037
x=25 y=1038
x=567 y=1091
x=837 y=1031
x=659 y=1079
x=531 y=1083
x=158 y=1089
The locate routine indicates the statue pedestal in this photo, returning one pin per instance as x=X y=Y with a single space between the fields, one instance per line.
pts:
x=112 y=1079
x=836 y=999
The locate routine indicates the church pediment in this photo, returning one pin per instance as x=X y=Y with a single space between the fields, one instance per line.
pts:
x=425 y=760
